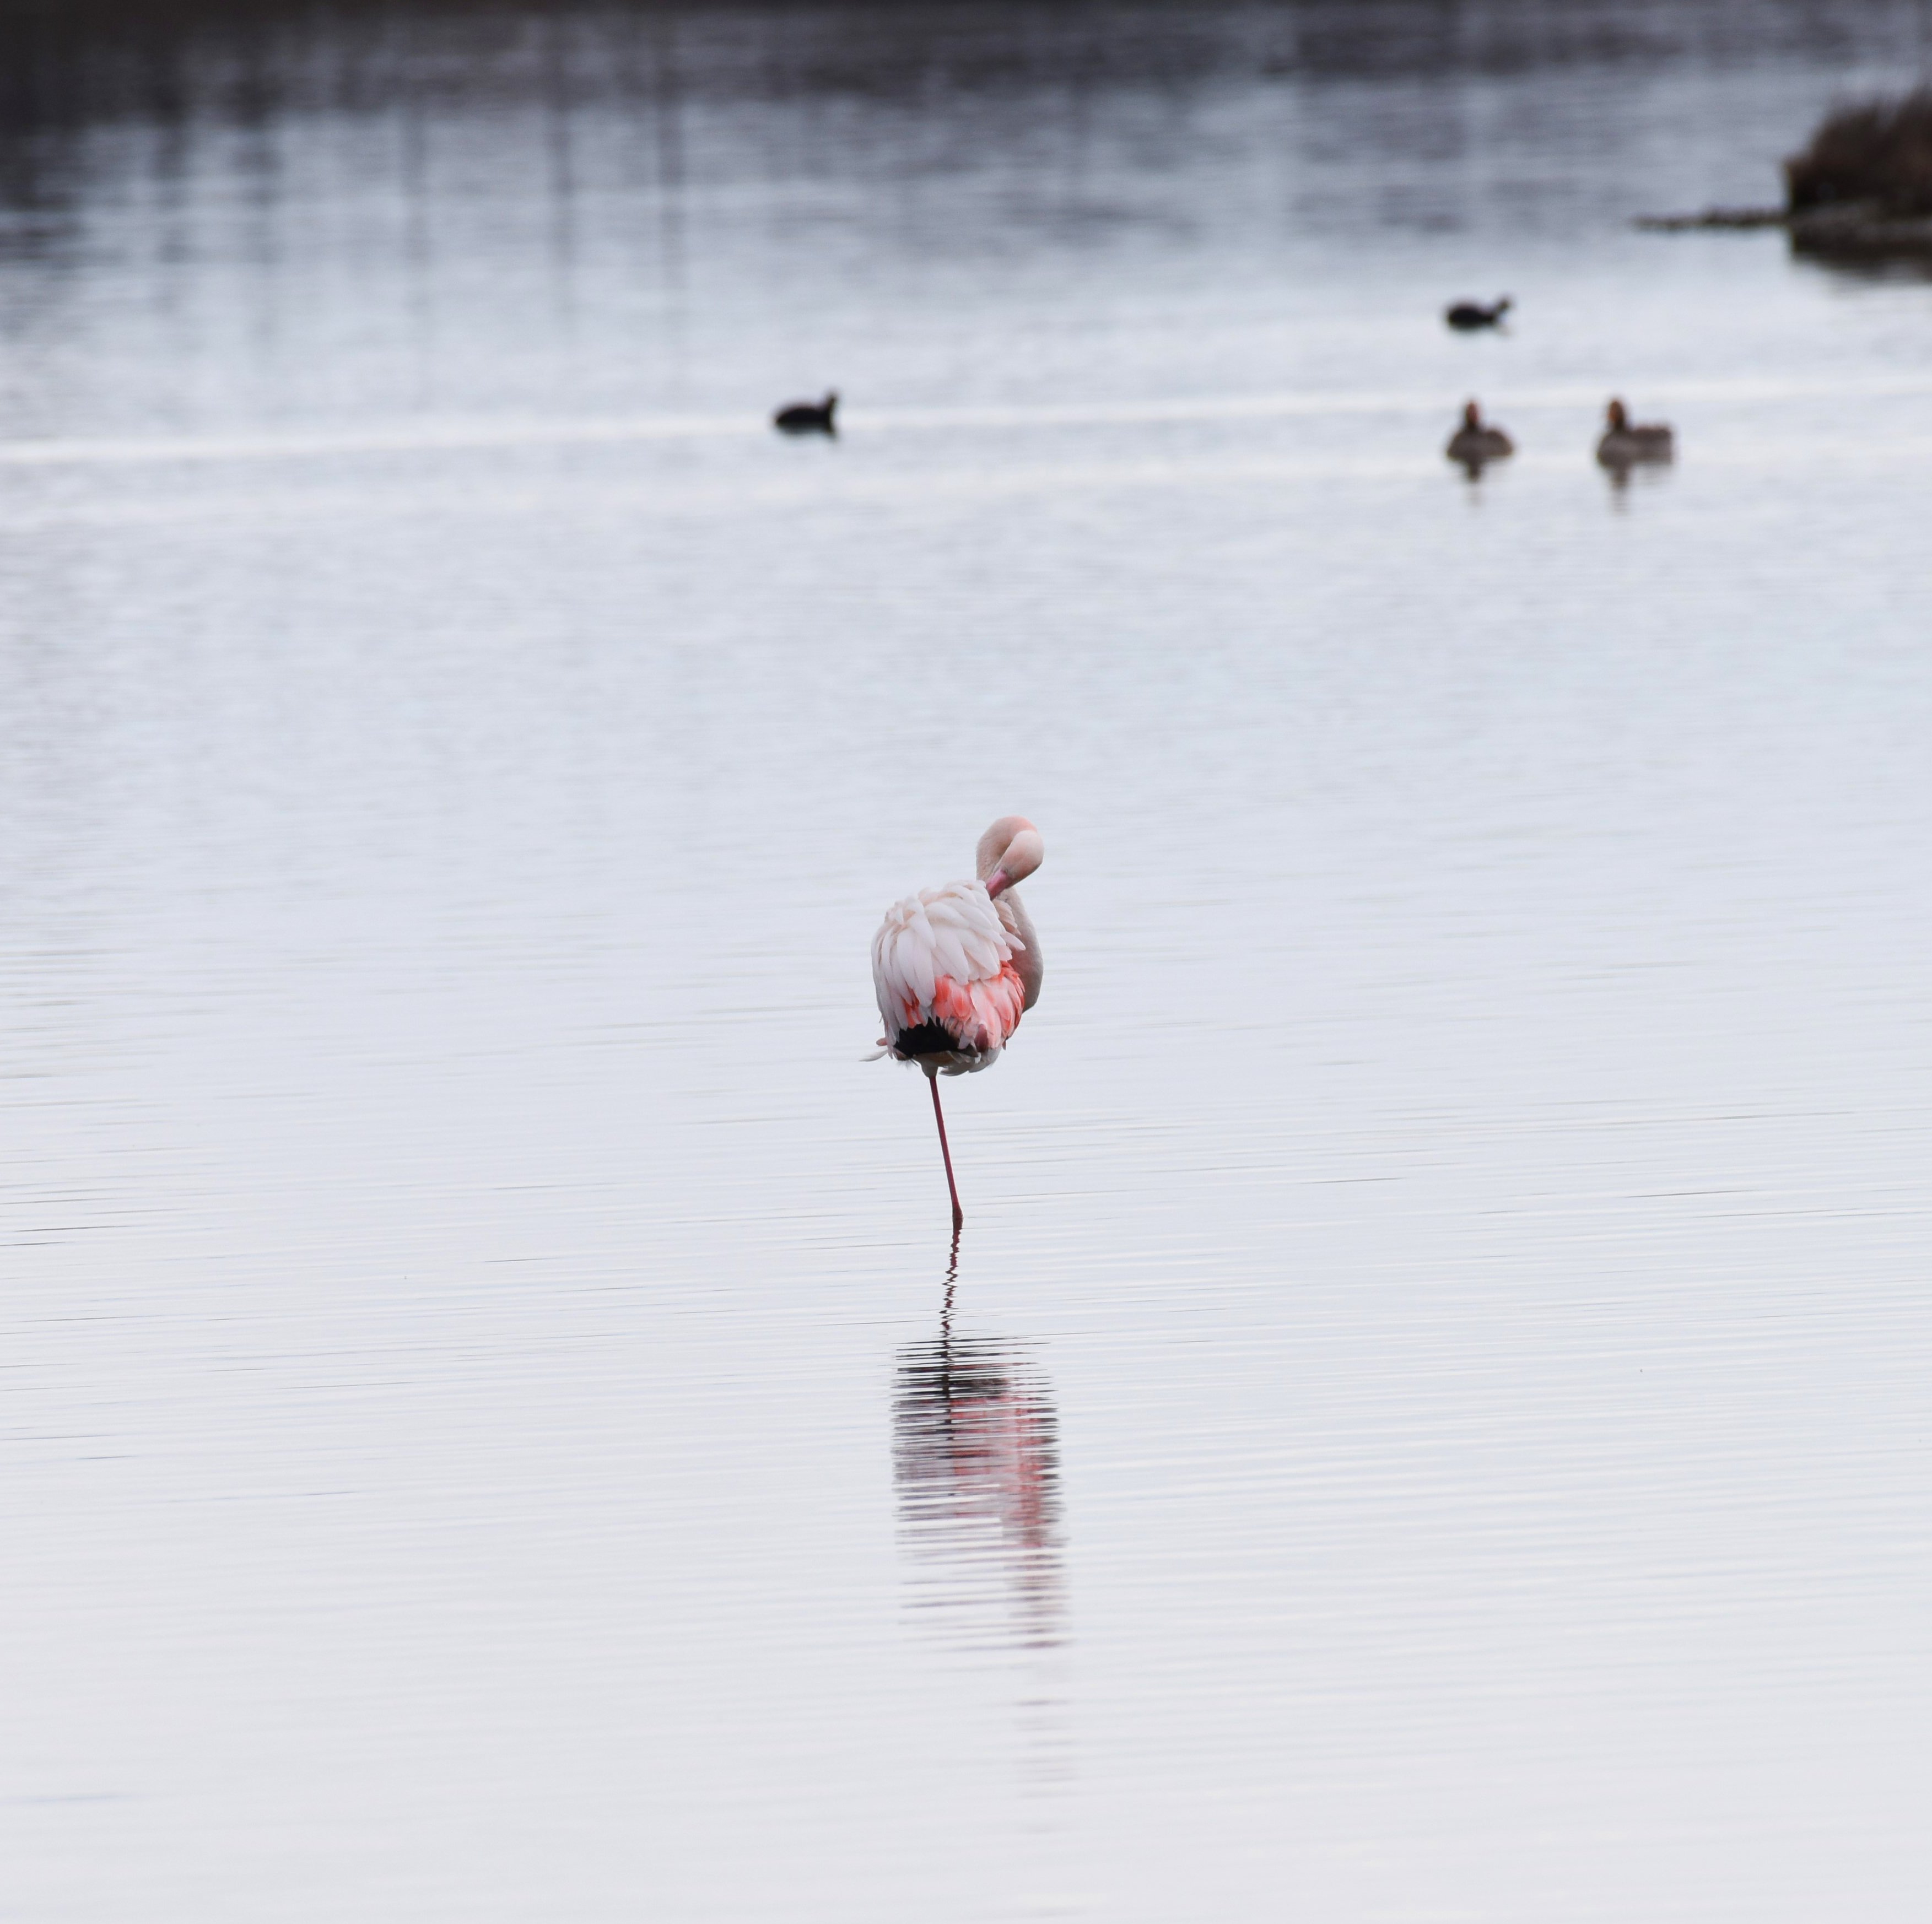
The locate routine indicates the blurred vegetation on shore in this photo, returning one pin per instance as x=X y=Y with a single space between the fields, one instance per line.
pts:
x=1858 y=194
x=1877 y=153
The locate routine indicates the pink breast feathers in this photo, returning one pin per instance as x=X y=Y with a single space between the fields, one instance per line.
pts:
x=980 y=1014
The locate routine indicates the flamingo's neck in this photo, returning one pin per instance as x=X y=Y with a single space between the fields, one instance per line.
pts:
x=1027 y=962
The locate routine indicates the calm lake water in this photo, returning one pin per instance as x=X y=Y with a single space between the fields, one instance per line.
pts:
x=1430 y=1421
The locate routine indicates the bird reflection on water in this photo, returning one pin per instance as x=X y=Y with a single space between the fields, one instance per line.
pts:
x=976 y=1466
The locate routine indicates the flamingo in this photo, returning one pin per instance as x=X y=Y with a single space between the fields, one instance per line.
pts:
x=955 y=967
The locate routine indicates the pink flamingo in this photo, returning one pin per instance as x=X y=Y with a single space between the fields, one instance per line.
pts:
x=955 y=967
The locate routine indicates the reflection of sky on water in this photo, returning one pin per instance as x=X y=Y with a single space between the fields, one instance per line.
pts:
x=1460 y=1202
x=976 y=1461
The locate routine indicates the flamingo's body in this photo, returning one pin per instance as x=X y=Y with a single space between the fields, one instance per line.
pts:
x=956 y=966
x=943 y=965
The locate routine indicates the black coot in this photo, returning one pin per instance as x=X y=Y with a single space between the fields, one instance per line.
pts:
x=808 y=417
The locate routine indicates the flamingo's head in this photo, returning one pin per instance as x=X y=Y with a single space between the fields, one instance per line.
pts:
x=1009 y=851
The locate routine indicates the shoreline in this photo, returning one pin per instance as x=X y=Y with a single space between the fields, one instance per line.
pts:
x=1856 y=231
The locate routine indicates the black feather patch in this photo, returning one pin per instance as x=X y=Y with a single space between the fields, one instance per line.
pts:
x=929 y=1039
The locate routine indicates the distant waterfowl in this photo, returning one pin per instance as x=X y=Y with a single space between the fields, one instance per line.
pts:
x=955 y=967
x=1626 y=443
x=1475 y=442
x=1466 y=316
x=808 y=417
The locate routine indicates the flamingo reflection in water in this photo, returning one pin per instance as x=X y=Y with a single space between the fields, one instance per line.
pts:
x=977 y=1463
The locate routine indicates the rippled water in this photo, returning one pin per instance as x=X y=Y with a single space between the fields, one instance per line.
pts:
x=1430 y=1420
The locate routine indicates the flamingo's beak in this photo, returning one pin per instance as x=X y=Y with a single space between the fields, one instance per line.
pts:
x=996 y=882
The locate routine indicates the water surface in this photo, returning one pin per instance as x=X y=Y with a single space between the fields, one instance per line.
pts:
x=1429 y=1420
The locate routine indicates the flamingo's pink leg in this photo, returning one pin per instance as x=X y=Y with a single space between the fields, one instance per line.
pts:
x=958 y=1214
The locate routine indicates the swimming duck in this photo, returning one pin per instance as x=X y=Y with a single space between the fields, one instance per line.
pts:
x=1624 y=442
x=1466 y=316
x=808 y=417
x=1475 y=442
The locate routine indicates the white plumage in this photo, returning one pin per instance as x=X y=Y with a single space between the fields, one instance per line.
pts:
x=944 y=957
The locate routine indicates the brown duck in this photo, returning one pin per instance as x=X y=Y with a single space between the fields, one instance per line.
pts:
x=1625 y=442
x=1475 y=442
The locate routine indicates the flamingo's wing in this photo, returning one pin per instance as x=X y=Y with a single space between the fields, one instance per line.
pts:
x=943 y=957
